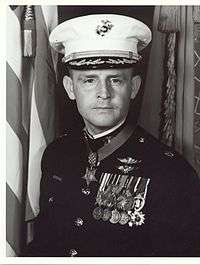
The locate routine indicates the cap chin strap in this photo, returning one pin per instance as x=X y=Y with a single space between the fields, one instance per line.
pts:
x=101 y=54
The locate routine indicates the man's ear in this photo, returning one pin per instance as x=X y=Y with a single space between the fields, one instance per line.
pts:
x=136 y=82
x=68 y=85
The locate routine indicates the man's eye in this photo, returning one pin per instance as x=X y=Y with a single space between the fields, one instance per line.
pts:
x=116 y=81
x=89 y=80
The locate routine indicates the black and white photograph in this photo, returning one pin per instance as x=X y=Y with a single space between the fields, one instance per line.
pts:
x=102 y=131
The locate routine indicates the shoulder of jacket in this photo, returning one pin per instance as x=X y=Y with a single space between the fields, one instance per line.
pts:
x=163 y=156
x=59 y=145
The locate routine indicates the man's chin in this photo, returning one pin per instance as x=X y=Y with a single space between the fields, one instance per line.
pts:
x=104 y=125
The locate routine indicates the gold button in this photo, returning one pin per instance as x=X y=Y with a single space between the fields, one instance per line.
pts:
x=79 y=221
x=73 y=252
x=141 y=140
x=51 y=199
x=86 y=191
x=169 y=154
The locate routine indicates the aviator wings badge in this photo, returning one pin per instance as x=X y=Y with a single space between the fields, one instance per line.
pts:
x=128 y=164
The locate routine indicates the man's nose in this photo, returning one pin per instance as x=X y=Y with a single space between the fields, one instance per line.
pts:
x=104 y=90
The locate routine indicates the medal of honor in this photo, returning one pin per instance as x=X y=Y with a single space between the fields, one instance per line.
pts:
x=91 y=170
x=115 y=217
x=90 y=175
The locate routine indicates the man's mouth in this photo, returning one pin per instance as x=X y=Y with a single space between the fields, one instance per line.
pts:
x=106 y=107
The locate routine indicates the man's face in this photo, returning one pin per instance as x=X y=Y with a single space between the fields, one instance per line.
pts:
x=102 y=96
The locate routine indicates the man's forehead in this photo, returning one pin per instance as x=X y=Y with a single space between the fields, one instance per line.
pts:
x=96 y=72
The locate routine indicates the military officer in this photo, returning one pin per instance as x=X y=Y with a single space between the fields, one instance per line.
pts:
x=112 y=189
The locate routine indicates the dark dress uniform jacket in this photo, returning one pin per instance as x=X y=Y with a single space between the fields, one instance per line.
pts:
x=66 y=225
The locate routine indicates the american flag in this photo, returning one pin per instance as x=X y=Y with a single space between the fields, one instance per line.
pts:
x=30 y=116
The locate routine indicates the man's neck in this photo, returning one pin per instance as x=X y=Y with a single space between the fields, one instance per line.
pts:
x=102 y=134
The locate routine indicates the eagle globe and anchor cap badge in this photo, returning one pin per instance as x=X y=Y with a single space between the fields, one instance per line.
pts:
x=104 y=28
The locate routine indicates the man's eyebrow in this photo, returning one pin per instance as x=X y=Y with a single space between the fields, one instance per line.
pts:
x=87 y=76
x=82 y=76
x=116 y=75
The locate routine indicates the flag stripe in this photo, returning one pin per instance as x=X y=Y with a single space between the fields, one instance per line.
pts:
x=14 y=166
x=13 y=103
x=30 y=213
x=50 y=16
x=51 y=20
x=45 y=81
x=14 y=53
x=36 y=149
x=18 y=11
x=27 y=84
x=28 y=119
x=13 y=220
x=9 y=250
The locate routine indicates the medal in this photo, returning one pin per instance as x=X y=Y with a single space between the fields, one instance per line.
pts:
x=90 y=175
x=91 y=170
x=106 y=214
x=139 y=202
x=137 y=218
x=115 y=217
x=125 y=202
x=124 y=218
x=97 y=213
x=107 y=195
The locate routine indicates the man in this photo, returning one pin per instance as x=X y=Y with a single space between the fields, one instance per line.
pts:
x=113 y=189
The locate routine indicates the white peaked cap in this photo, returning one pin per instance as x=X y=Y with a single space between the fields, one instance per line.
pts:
x=101 y=35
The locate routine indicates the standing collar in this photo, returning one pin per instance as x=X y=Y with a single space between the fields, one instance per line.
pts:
x=99 y=135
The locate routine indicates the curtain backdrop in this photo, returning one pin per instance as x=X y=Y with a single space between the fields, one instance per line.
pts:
x=197 y=87
x=186 y=137
x=30 y=112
